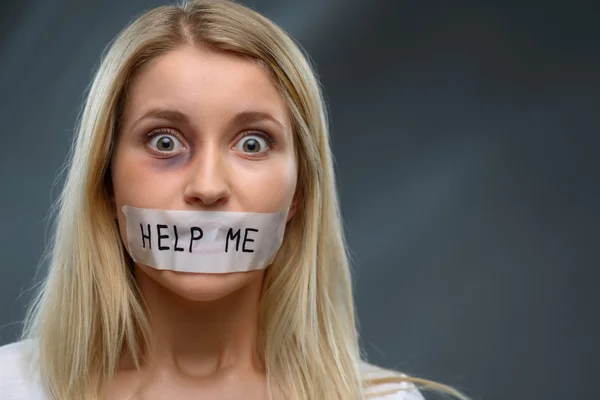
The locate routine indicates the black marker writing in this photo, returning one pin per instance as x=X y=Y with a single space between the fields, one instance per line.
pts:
x=146 y=236
x=246 y=239
x=176 y=240
x=229 y=235
x=236 y=235
x=196 y=233
x=160 y=237
x=197 y=230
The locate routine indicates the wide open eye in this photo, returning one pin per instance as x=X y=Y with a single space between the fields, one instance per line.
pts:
x=164 y=143
x=254 y=143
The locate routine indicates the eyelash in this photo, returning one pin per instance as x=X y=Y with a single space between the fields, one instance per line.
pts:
x=161 y=131
x=268 y=138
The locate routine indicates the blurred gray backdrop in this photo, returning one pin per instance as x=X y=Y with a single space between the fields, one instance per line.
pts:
x=466 y=137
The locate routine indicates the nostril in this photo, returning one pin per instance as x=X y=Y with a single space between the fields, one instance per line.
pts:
x=207 y=198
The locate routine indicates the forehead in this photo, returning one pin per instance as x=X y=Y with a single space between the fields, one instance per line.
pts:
x=205 y=83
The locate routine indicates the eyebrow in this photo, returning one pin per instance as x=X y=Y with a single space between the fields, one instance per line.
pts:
x=241 y=118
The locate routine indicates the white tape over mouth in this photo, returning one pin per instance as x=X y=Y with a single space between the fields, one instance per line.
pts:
x=203 y=241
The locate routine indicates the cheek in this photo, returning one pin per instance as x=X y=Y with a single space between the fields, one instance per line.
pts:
x=269 y=188
x=139 y=181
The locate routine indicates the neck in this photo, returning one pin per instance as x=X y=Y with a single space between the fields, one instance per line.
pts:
x=202 y=338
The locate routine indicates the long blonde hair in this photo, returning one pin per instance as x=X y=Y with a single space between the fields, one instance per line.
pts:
x=89 y=313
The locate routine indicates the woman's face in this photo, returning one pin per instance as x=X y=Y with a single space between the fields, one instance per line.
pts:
x=203 y=130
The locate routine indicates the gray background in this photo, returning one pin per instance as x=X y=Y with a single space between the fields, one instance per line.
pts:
x=466 y=136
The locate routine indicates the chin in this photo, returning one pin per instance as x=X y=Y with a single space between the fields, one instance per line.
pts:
x=203 y=287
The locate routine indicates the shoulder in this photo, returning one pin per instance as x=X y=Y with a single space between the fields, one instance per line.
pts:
x=385 y=384
x=18 y=371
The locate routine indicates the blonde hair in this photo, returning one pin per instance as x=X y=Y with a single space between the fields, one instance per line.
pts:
x=89 y=313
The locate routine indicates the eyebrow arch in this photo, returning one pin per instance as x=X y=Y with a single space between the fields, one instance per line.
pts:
x=169 y=115
x=247 y=117
x=241 y=118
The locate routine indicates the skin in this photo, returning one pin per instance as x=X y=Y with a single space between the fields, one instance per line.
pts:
x=205 y=324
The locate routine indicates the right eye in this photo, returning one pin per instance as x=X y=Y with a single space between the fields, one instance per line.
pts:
x=164 y=143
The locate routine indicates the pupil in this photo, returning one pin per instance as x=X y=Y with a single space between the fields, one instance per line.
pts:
x=252 y=145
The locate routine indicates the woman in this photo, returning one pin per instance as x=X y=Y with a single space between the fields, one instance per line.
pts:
x=210 y=110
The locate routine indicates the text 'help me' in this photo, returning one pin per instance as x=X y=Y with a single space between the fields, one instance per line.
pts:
x=172 y=238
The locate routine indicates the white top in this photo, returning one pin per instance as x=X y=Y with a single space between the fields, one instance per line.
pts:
x=18 y=382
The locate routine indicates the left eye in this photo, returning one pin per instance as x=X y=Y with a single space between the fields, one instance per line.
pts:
x=252 y=144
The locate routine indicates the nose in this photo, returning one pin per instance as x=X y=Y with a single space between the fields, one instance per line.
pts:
x=208 y=183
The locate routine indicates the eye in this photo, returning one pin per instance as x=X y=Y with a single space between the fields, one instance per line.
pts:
x=254 y=143
x=164 y=143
